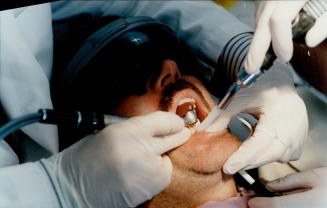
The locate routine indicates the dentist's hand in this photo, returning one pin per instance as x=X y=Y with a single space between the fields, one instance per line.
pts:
x=282 y=121
x=314 y=183
x=274 y=24
x=121 y=166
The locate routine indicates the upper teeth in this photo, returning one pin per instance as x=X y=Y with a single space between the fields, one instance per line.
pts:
x=186 y=100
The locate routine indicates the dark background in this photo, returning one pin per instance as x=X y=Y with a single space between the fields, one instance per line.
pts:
x=10 y=4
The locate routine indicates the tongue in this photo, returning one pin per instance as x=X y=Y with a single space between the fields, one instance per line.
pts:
x=183 y=109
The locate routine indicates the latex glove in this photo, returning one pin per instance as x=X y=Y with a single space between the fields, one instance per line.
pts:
x=273 y=24
x=314 y=180
x=121 y=166
x=282 y=127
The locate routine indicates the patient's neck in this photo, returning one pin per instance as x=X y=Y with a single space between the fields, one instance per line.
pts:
x=189 y=189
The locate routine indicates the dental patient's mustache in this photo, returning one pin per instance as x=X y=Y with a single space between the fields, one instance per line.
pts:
x=171 y=89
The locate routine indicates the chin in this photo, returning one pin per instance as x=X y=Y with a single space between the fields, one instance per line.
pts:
x=205 y=153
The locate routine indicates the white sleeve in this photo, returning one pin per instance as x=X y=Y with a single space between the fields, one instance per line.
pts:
x=208 y=29
x=7 y=155
x=27 y=185
x=25 y=67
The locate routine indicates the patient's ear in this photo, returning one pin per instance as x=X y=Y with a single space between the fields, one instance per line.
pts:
x=168 y=75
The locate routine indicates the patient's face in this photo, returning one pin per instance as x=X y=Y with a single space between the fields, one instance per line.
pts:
x=204 y=154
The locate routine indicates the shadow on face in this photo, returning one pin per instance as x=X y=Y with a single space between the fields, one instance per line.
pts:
x=203 y=153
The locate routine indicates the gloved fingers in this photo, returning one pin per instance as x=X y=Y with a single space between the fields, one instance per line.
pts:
x=264 y=11
x=261 y=39
x=281 y=28
x=257 y=50
x=161 y=123
x=271 y=154
x=318 y=32
x=248 y=152
x=160 y=145
x=291 y=200
x=303 y=184
x=281 y=38
x=305 y=179
x=260 y=7
x=239 y=104
x=290 y=154
x=166 y=168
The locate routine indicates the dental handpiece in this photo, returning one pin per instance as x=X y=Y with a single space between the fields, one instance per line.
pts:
x=89 y=122
x=302 y=23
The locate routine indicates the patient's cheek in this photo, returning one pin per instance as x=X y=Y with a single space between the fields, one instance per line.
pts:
x=205 y=152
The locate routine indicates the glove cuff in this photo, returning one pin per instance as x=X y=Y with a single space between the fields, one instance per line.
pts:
x=63 y=184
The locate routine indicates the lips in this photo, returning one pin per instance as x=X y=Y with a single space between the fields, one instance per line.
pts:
x=183 y=99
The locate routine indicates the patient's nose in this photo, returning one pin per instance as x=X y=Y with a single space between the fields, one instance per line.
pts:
x=169 y=74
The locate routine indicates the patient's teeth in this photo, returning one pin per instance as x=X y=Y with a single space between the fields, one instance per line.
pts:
x=182 y=109
x=186 y=100
x=186 y=110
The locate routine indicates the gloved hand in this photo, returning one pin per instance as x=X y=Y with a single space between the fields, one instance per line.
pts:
x=121 y=166
x=273 y=24
x=282 y=127
x=314 y=180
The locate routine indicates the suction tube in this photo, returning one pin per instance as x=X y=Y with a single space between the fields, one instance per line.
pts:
x=89 y=121
x=18 y=123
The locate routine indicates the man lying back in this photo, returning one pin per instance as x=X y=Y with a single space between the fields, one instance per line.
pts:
x=133 y=79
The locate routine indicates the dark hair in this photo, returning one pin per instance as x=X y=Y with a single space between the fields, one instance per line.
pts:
x=121 y=68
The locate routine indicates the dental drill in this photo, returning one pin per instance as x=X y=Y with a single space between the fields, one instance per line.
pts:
x=90 y=122
x=301 y=24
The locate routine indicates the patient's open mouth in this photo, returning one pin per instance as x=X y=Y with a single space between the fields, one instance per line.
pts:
x=186 y=100
x=189 y=106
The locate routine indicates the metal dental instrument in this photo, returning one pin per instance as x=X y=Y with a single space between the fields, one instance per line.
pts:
x=190 y=118
x=303 y=22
